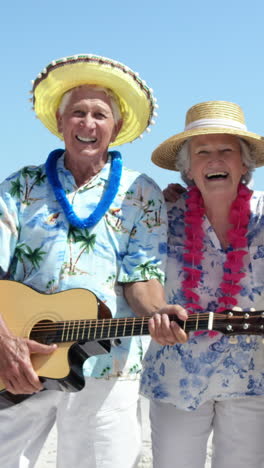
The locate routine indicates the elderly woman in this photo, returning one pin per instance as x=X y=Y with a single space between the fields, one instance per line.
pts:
x=215 y=248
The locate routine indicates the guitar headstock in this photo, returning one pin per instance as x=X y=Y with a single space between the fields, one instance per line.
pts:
x=236 y=322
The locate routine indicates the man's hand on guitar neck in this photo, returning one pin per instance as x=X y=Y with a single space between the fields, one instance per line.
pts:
x=166 y=331
x=16 y=370
x=146 y=298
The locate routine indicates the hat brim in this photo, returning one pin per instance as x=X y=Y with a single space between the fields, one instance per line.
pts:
x=165 y=155
x=135 y=98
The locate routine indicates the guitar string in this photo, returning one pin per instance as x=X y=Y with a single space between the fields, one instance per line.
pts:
x=192 y=318
x=124 y=320
x=82 y=324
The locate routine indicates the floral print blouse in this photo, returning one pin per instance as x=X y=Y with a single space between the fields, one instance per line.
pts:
x=207 y=367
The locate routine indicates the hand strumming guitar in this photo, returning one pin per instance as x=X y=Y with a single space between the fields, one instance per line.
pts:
x=16 y=369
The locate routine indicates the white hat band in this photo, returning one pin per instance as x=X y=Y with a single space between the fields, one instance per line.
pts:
x=228 y=123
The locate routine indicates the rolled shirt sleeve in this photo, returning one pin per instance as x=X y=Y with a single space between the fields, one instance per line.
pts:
x=145 y=257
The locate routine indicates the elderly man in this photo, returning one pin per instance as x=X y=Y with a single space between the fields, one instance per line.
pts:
x=82 y=221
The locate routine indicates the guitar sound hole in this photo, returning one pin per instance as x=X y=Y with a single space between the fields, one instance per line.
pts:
x=44 y=332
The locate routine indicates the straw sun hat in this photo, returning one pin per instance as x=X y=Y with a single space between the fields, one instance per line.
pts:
x=137 y=103
x=211 y=117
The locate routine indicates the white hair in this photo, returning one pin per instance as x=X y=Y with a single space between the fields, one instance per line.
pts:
x=114 y=103
x=183 y=161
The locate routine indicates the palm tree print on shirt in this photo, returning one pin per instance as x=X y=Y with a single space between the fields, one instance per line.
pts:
x=23 y=191
x=87 y=243
x=25 y=255
x=148 y=269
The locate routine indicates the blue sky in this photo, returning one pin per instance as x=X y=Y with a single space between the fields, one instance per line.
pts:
x=187 y=51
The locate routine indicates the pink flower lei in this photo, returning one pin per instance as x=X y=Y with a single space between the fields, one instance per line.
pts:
x=239 y=218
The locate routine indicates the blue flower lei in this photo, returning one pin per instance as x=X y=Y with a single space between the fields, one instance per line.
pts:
x=105 y=202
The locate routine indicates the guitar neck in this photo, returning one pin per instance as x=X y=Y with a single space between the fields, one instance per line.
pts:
x=102 y=329
x=228 y=322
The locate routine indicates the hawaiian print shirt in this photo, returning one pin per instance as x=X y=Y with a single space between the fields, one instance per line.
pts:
x=40 y=249
x=206 y=367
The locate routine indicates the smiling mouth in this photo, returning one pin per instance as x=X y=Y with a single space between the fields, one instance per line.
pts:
x=86 y=140
x=216 y=175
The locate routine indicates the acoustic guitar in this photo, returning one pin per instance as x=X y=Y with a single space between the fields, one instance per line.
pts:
x=82 y=326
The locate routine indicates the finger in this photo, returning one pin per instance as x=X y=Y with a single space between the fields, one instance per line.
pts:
x=23 y=377
x=176 y=309
x=35 y=347
x=182 y=313
x=172 y=333
x=165 y=325
x=31 y=379
x=155 y=328
x=25 y=382
x=154 y=324
x=168 y=331
x=179 y=333
x=21 y=385
x=163 y=333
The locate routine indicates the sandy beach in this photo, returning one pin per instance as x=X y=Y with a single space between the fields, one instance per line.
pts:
x=47 y=457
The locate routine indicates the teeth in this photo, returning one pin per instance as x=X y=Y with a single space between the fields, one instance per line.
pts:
x=216 y=174
x=86 y=140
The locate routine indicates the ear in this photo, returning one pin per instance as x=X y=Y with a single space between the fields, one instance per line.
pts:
x=244 y=169
x=116 y=130
x=59 y=121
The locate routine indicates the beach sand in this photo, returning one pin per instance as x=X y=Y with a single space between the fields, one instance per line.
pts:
x=47 y=457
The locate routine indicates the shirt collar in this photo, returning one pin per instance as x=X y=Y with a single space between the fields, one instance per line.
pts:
x=67 y=179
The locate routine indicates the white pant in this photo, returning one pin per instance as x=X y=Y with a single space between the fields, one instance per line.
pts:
x=97 y=427
x=179 y=438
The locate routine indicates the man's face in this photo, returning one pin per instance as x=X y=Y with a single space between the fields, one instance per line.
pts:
x=87 y=124
x=216 y=163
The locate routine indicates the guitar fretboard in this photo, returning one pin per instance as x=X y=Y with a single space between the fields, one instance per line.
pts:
x=102 y=329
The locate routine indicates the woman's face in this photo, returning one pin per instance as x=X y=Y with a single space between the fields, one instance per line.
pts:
x=216 y=164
